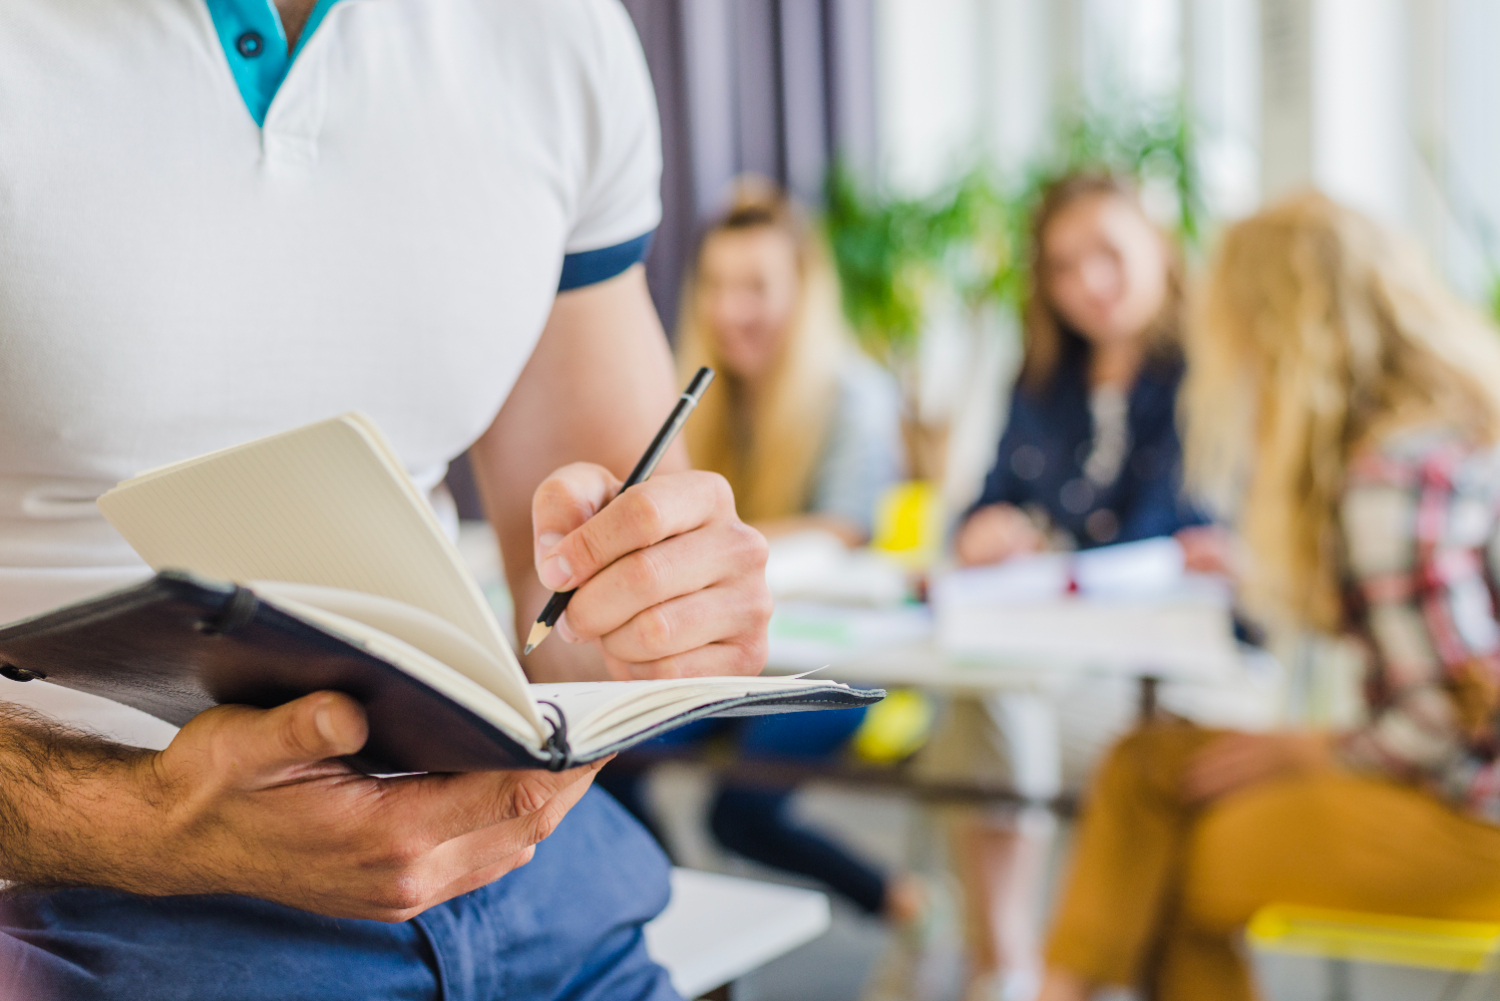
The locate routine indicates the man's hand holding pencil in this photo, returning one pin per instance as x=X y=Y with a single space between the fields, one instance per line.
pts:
x=669 y=582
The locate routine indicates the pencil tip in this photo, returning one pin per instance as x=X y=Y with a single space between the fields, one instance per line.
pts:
x=539 y=632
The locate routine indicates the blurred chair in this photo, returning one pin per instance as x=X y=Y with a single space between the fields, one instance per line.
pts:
x=1315 y=954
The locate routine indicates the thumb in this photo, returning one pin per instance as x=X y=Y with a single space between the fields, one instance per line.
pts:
x=307 y=730
x=563 y=502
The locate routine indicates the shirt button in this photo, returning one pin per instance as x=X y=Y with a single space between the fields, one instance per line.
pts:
x=250 y=44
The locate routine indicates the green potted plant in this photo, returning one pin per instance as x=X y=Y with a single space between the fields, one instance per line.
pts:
x=900 y=258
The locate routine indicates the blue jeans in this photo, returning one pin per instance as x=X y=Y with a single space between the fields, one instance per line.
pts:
x=565 y=927
x=757 y=822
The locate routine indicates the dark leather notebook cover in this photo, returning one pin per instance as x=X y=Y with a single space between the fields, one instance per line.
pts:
x=179 y=644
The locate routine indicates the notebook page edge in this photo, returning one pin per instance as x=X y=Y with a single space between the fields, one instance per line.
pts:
x=642 y=697
x=430 y=671
x=115 y=504
x=371 y=433
x=382 y=613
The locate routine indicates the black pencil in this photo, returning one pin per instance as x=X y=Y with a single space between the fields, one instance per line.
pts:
x=642 y=471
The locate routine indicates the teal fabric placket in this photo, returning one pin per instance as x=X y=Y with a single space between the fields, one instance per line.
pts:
x=255 y=45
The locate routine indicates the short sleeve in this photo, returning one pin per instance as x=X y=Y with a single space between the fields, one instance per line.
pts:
x=619 y=200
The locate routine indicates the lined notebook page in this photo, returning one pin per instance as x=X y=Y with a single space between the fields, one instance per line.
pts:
x=325 y=504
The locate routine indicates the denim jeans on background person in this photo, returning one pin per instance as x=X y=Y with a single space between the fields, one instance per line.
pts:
x=565 y=927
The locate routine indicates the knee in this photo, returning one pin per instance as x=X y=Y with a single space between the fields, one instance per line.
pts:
x=1150 y=762
x=1260 y=843
x=1133 y=762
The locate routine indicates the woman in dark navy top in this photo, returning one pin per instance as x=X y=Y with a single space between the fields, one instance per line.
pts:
x=1044 y=467
x=1090 y=457
x=1090 y=454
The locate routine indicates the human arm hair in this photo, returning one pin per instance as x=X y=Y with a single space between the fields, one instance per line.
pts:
x=255 y=802
x=56 y=786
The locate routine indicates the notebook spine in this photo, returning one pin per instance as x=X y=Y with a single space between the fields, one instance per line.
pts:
x=559 y=755
x=238 y=611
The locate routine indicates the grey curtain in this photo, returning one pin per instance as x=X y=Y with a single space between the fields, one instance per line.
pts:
x=771 y=87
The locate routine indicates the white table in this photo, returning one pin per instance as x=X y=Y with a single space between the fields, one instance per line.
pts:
x=898 y=647
x=718 y=928
x=1053 y=646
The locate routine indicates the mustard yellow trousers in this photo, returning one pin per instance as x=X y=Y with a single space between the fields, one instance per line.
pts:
x=1158 y=891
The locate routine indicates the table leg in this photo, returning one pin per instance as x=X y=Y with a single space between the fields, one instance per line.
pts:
x=1150 y=687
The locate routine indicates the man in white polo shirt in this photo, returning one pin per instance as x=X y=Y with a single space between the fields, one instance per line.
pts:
x=224 y=218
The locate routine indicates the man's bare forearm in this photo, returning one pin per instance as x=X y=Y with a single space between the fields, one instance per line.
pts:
x=61 y=802
x=256 y=802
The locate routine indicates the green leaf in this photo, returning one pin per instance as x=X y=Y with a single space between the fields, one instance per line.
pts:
x=894 y=253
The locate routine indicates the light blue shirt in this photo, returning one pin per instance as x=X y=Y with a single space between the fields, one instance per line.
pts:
x=863 y=455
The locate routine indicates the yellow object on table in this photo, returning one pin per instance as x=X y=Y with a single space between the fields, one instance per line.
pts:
x=894 y=729
x=909 y=524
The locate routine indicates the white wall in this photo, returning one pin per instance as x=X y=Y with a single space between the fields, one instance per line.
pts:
x=928 y=86
x=1221 y=39
x=1130 y=49
x=1363 y=152
x=1018 y=77
x=1471 y=162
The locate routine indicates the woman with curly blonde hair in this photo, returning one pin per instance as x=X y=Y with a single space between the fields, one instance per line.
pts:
x=1343 y=410
x=805 y=426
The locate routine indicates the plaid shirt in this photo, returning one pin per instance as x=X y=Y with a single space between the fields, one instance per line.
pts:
x=1421 y=537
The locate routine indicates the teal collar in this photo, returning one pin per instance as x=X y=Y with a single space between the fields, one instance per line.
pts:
x=255 y=45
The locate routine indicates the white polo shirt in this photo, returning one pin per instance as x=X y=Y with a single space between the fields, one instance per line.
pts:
x=176 y=276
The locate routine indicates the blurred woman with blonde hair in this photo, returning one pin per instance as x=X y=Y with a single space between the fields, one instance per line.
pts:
x=805 y=427
x=1344 y=411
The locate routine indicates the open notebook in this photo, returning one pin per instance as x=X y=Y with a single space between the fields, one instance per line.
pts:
x=309 y=560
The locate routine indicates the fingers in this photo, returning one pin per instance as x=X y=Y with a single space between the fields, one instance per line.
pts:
x=255 y=745
x=472 y=881
x=425 y=870
x=1226 y=765
x=670 y=582
x=483 y=855
x=683 y=624
x=452 y=806
x=995 y=533
x=564 y=501
x=741 y=656
x=642 y=516
x=630 y=587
